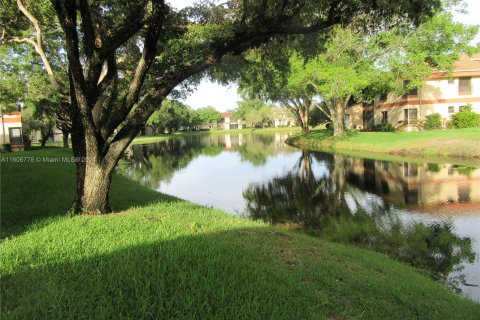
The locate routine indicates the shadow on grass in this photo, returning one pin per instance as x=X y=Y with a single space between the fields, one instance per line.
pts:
x=40 y=183
x=253 y=273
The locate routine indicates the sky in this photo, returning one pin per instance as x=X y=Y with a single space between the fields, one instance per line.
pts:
x=225 y=98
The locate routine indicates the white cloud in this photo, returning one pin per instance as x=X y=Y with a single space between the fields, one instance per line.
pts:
x=220 y=97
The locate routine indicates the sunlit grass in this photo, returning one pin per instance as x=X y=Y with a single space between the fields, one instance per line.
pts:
x=160 y=257
x=460 y=143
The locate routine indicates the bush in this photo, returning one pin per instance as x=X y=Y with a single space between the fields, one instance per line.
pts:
x=466 y=118
x=383 y=127
x=7 y=147
x=433 y=121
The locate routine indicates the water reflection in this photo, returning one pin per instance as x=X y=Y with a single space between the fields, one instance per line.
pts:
x=419 y=213
x=152 y=164
x=329 y=206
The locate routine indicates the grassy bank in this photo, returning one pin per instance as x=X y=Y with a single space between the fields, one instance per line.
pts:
x=434 y=144
x=162 y=137
x=160 y=257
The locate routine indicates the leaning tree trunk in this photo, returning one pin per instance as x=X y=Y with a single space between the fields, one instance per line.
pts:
x=65 y=134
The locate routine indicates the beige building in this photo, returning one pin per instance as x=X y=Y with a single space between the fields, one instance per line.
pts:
x=228 y=122
x=442 y=93
x=11 y=130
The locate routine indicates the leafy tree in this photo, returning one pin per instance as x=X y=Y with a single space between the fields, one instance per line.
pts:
x=208 y=115
x=124 y=58
x=35 y=59
x=355 y=66
x=173 y=115
x=23 y=80
x=255 y=112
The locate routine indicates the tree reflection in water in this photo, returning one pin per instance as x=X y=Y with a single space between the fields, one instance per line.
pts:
x=152 y=164
x=333 y=209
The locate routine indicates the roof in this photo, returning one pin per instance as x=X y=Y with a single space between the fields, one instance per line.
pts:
x=227 y=114
x=465 y=66
x=467 y=63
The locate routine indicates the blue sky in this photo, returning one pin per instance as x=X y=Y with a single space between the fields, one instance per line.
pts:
x=223 y=98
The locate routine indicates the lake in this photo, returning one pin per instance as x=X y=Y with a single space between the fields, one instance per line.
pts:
x=424 y=214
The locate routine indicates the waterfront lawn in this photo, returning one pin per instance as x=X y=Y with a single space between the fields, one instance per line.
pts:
x=163 y=137
x=160 y=257
x=461 y=143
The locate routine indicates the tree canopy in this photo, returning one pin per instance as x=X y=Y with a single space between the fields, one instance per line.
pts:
x=116 y=61
x=356 y=65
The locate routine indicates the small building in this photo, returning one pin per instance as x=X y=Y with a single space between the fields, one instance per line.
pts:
x=443 y=93
x=11 y=130
x=228 y=122
x=282 y=117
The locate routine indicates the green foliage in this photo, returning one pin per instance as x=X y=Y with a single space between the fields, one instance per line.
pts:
x=208 y=115
x=466 y=118
x=383 y=127
x=433 y=121
x=255 y=112
x=173 y=116
x=7 y=147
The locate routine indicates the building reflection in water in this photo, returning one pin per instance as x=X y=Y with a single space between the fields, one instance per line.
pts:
x=340 y=205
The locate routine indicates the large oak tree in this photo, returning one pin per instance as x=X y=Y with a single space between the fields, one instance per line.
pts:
x=121 y=59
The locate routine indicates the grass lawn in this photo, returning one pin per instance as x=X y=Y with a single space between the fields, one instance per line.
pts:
x=162 y=137
x=454 y=143
x=161 y=257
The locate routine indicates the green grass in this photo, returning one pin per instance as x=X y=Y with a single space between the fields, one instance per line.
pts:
x=162 y=137
x=454 y=143
x=161 y=257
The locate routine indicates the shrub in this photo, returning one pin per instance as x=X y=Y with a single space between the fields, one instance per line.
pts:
x=433 y=121
x=7 y=147
x=383 y=127
x=466 y=118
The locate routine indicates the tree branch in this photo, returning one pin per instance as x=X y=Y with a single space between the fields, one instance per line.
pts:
x=38 y=45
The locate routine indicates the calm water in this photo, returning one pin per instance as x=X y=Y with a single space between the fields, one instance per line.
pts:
x=425 y=214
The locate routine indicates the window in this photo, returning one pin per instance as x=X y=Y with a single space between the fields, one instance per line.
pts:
x=384 y=116
x=410 y=169
x=412 y=91
x=347 y=119
x=410 y=115
x=15 y=135
x=451 y=81
x=461 y=107
x=465 y=86
x=451 y=109
x=383 y=96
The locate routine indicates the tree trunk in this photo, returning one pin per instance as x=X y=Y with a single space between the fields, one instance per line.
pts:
x=338 y=121
x=305 y=120
x=94 y=198
x=65 y=139
x=45 y=136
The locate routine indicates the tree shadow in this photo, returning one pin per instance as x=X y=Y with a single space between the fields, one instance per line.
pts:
x=252 y=273
x=42 y=186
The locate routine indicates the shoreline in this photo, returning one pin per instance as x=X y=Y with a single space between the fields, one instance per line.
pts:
x=406 y=146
